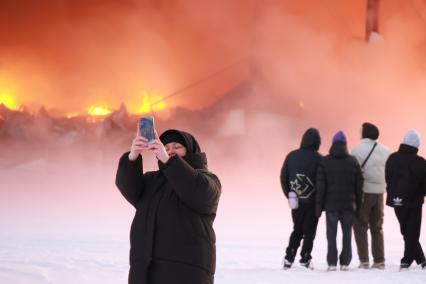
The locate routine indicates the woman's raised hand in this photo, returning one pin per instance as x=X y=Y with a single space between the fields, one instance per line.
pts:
x=139 y=145
x=157 y=147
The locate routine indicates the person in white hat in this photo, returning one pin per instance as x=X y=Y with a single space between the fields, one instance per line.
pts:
x=406 y=181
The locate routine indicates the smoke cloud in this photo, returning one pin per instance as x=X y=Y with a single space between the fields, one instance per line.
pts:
x=307 y=63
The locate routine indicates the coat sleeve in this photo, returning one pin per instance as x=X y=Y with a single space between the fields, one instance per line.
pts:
x=424 y=178
x=356 y=153
x=388 y=171
x=321 y=185
x=130 y=179
x=198 y=189
x=284 y=178
x=359 y=184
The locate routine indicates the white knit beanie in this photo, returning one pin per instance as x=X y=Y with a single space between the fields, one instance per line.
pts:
x=412 y=138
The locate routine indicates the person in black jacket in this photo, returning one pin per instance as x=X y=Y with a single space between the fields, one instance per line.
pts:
x=171 y=238
x=339 y=193
x=405 y=177
x=298 y=179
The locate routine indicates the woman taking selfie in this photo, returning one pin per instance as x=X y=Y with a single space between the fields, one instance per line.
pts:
x=171 y=238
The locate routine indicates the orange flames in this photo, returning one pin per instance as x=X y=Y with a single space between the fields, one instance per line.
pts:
x=146 y=104
x=7 y=96
x=98 y=110
x=73 y=114
x=8 y=100
x=149 y=103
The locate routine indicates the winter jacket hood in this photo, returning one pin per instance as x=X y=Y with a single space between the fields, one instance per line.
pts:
x=191 y=143
x=311 y=139
x=194 y=156
x=407 y=149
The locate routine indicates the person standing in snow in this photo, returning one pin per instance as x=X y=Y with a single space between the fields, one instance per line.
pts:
x=339 y=193
x=406 y=181
x=171 y=238
x=298 y=184
x=372 y=157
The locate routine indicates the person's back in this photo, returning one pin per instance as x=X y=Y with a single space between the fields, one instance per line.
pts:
x=405 y=177
x=339 y=193
x=342 y=180
x=374 y=168
x=298 y=184
x=372 y=157
x=300 y=168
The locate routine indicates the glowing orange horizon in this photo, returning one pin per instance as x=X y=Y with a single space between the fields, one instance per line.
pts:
x=7 y=97
x=142 y=104
x=149 y=103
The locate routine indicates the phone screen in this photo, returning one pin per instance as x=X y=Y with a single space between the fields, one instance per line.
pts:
x=146 y=128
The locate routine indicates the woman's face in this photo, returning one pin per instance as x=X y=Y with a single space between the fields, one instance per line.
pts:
x=174 y=148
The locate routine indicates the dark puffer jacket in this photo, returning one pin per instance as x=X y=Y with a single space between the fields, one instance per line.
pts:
x=172 y=230
x=339 y=181
x=300 y=168
x=405 y=178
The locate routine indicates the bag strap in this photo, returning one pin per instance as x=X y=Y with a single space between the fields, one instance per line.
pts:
x=369 y=154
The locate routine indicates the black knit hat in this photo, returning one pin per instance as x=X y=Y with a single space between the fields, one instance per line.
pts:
x=369 y=130
x=173 y=136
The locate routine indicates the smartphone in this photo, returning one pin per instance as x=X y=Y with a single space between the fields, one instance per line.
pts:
x=146 y=128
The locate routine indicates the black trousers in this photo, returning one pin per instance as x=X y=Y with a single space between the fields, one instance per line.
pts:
x=346 y=219
x=305 y=224
x=410 y=222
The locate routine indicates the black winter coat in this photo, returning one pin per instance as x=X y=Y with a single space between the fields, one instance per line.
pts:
x=339 y=181
x=405 y=178
x=171 y=238
x=299 y=170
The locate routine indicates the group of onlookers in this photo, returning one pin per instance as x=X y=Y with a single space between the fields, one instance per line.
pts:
x=350 y=188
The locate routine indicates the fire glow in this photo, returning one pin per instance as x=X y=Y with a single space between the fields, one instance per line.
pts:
x=7 y=95
x=8 y=100
x=149 y=103
x=98 y=110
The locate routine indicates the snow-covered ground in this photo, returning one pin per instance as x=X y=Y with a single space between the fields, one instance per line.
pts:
x=262 y=265
x=41 y=260
x=33 y=261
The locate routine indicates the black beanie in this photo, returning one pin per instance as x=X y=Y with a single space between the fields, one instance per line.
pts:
x=173 y=136
x=370 y=131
